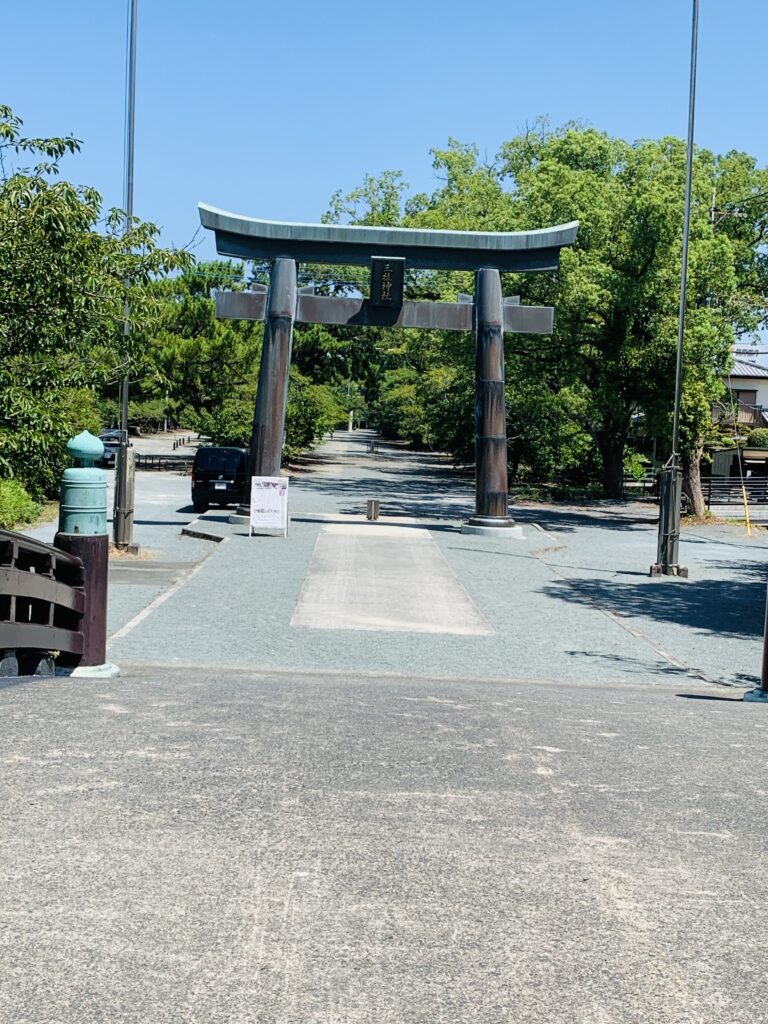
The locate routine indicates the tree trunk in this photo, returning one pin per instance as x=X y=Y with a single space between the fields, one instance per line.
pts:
x=692 y=482
x=612 y=452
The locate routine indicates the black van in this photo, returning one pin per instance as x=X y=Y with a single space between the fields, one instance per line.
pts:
x=219 y=477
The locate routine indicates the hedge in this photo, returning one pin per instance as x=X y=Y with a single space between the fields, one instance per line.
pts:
x=16 y=505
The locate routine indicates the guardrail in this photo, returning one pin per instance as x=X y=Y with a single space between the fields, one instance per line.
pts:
x=42 y=601
x=164 y=462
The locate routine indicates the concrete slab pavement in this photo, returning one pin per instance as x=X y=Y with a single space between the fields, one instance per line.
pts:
x=386 y=578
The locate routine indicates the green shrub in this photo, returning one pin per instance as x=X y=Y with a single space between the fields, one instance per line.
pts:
x=16 y=505
x=34 y=430
x=758 y=438
x=635 y=464
x=228 y=423
x=563 y=492
x=148 y=414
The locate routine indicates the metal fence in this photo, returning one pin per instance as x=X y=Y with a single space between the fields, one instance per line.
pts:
x=727 y=490
x=181 y=463
x=42 y=600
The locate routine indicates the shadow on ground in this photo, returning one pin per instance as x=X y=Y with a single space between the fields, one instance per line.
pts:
x=731 y=608
x=567 y=520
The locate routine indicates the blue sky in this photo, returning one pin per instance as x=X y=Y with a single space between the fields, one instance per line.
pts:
x=266 y=108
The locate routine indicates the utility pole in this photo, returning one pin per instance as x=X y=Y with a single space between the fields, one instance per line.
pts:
x=122 y=524
x=671 y=477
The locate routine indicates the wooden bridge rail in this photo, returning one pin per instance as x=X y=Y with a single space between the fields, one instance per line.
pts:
x=42 y=598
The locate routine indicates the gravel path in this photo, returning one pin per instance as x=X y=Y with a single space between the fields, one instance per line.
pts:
x=572 y=601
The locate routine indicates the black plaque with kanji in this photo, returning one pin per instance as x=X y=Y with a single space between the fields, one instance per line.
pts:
x=387 y=277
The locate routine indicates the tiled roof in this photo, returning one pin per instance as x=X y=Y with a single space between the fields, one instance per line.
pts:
x=744 y=368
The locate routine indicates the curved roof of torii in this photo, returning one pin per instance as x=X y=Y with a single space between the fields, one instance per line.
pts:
x=251 y=239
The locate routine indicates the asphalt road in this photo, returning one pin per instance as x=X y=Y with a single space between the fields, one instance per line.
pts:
x=204 y=846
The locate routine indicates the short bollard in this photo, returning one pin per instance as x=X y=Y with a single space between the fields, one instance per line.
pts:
x=372 y=509
x=83 y=532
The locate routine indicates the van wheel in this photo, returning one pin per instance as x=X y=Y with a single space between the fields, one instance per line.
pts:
x=200 y=507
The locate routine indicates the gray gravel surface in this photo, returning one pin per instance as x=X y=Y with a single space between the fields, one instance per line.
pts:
x=572 y=601
x=162 y=508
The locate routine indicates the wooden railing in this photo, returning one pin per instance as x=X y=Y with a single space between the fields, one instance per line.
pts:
x=727 y=414
x=42 y=600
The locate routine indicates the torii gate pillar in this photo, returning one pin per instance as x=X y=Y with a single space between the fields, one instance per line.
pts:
x=491 y=498
x=272 y=393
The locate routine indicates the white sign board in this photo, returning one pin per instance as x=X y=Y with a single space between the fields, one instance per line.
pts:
x=269 y=504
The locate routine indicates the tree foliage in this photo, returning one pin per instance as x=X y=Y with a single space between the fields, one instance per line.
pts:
x=577 y=399
x=68 y=272
x=578 y=402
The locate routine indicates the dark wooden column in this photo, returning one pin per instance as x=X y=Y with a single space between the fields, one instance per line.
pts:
x=491 y=499
x=272 y=395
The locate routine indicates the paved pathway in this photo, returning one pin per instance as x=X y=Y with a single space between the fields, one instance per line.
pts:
x=197 y=845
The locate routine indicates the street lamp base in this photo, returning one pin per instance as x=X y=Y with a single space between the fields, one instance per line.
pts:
x=128 y=549
x=657 y=569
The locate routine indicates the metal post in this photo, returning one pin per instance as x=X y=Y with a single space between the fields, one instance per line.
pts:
x=760 y=694
x=671 y=492
x=123 y=515
x=491 y=491
x=764 y=671
x=272 y=395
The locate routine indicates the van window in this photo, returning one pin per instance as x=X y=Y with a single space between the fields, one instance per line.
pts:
x=219 y=460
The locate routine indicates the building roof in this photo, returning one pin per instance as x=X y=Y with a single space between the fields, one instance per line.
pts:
x=746 y=368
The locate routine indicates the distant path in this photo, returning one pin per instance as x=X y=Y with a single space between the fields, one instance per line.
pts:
x=342 y=474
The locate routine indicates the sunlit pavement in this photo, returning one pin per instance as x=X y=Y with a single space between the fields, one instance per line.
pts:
x=558 y=820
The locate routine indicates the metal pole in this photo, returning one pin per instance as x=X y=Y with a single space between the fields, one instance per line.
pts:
x=764 y=672
x=671 y=490
x=686 y=232
x=760 y=694
x=123 y=514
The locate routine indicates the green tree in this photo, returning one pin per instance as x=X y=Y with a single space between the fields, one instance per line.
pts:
x=617 y=292
x=573 y=397
x=68 y=271
x=193 y=361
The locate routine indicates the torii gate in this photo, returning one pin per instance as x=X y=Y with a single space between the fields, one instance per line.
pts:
x=386 y=251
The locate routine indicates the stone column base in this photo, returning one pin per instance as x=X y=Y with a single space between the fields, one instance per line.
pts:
x=487 y=526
